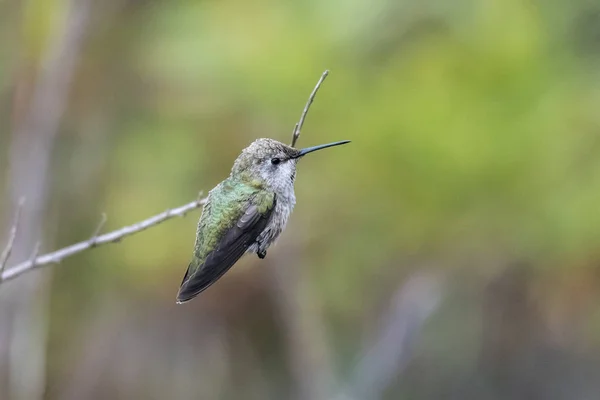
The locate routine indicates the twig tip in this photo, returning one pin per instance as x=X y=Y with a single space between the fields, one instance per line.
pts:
x=311 y=98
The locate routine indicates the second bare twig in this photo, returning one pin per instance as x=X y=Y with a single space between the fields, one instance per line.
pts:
x=12 y=236
x=94 y=239
x=311 y=98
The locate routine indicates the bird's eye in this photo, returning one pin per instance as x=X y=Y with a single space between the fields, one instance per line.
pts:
x=275 y=161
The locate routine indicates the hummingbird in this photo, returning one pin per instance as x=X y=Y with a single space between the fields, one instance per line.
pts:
x=245 y=213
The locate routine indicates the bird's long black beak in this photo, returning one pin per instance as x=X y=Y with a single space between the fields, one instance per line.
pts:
x=307 y=150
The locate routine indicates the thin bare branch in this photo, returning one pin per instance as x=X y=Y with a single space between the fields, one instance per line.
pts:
x=12 y=235
x=57 y=256
x=311 y=98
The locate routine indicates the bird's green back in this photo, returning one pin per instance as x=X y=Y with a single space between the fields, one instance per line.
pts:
x=226 y=203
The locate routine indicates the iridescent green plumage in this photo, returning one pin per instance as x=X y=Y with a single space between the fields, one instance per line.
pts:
x=226 y=203
x=236 y=212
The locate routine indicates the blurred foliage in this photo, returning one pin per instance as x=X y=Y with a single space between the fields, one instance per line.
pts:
x=476 y=144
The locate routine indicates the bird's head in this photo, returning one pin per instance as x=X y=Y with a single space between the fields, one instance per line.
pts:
x=272 y=163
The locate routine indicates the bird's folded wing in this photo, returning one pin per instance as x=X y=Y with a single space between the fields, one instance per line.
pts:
x=230 y=248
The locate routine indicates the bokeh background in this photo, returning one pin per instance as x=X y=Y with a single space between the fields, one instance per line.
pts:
x=452 y=251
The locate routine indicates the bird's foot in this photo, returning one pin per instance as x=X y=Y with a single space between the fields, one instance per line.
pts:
x=262 y=254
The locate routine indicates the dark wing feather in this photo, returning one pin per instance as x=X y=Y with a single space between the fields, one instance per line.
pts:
x=232 y=246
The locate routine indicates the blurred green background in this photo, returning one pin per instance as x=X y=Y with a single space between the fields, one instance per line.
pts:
x=450 y=252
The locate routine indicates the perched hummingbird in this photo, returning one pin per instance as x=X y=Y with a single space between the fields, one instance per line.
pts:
x=244 y=213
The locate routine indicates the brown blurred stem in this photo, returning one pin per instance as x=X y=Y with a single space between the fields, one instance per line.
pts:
x=311 y=98
x=96 y=240
x=36 y=125
x=389 y=354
